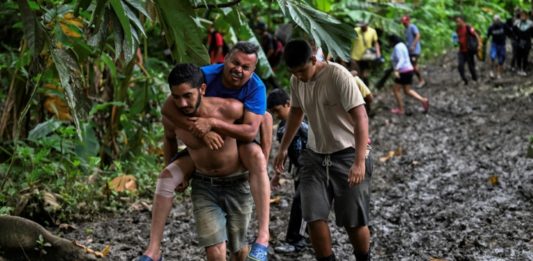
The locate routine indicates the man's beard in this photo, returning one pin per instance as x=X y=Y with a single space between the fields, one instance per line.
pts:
x=196 y=106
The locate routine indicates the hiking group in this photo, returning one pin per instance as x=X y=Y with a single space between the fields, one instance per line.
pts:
x=222 y=114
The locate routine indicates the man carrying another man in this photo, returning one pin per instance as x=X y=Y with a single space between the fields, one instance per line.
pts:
x=233 y=79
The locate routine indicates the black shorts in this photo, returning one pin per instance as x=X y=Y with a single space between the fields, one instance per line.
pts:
x=406 y=78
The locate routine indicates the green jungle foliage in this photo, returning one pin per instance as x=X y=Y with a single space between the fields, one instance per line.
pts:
x=82 y=82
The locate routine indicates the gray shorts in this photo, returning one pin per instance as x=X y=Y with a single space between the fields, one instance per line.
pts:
x=222 y=209
x=320 y=186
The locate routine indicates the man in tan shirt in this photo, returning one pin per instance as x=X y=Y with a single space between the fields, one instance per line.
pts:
x=335 y=169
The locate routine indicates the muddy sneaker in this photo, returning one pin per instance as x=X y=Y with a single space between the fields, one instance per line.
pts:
x=491 y=74
x=498 y=77
x=285 y=248
x=258 y=253
x=291 y=247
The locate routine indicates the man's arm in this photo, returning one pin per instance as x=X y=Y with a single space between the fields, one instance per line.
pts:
x=359 y=117
x=415 y=41
x=246 y=131
x=296 y=116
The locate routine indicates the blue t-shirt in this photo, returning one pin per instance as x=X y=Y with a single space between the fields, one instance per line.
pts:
x=252 y=94
x=410 y=34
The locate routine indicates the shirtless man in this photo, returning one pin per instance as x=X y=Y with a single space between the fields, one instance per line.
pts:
x=233 y=79
x=222 y=202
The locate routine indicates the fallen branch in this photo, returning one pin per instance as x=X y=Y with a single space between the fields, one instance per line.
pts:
x=23 y=239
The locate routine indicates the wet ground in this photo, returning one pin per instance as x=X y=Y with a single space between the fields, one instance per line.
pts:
x=458 y=186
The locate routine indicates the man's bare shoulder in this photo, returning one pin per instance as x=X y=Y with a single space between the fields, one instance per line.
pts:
x=168 y=109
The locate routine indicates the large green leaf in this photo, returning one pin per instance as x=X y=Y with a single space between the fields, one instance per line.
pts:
x=133 y=17
x=183 y=34
x=329 y=33
x=69 y=74
x=118 y=34
x=128 y=46
x=43 y=129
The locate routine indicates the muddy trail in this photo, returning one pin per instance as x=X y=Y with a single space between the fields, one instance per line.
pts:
x=453 y=184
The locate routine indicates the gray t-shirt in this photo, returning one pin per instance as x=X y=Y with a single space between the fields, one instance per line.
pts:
x=410 y=34
x=326 y=100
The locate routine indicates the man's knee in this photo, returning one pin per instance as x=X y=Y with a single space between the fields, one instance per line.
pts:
x=168 y=180
x=252 y=151
x=216 y=252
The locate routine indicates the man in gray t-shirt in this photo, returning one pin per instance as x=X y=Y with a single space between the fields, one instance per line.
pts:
x=335 y=168
x=412 y=39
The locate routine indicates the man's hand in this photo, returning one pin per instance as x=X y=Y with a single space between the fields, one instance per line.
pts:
x=213 y=140
x=357 y=174
x=200 y=126
x=279 y=161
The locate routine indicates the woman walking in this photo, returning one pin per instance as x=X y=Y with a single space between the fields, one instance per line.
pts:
x=403 y=75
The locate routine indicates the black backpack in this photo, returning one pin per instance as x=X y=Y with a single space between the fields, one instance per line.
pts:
x=471 y=40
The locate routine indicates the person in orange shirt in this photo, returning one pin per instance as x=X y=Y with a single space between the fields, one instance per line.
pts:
x=468 y=38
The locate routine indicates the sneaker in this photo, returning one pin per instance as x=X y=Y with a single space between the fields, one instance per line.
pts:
x=421 y=84
x=498 y=77
x=285 y=248
x=491 y=74
x=396 y=111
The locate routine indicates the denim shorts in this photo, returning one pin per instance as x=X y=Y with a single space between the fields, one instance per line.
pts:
x=497 y=52
x=222 y=210
x=324 y=182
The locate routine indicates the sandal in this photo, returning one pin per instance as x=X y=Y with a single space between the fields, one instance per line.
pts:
x=258 y=253
x=147 y=258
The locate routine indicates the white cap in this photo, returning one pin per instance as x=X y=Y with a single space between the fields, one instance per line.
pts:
x=496 y=18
